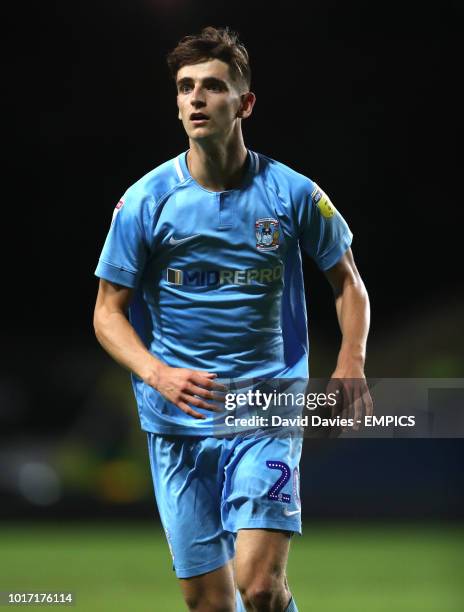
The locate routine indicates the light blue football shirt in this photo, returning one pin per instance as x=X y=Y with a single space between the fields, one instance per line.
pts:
x=218 y=275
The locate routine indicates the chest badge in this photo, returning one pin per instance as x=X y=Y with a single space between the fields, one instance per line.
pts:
x=267 y=234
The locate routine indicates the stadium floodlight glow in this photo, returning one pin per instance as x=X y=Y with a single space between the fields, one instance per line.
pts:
x=39 y=483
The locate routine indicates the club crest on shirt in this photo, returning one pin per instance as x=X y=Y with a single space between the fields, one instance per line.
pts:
x=267 y=234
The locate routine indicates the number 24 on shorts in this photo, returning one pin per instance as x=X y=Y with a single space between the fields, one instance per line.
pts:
x=274 y=492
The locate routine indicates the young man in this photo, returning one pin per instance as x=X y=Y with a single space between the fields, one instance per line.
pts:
x=204 y=254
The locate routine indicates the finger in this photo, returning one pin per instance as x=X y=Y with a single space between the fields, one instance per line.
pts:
x=335 y=387
x=368 y=403
x=357 y=413
x=218 y=397
x=208 y=376
x=340 y=392
x=185 y=408
x=344 y=417
x=206 y=380
x=195 y=390
x=199 y=403
x=338 y=408
x=348 y=403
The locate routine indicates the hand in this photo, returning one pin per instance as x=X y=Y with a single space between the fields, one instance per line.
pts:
x=183 y=387
x=354 y=400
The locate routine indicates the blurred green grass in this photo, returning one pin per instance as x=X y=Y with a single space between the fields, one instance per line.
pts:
x=332 y=568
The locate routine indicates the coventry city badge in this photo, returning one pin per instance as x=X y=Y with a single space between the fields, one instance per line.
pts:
x=267 y=234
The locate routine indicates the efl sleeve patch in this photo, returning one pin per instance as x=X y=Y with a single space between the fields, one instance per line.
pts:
x=322 y=201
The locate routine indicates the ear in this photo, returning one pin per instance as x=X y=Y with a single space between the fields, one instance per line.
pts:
x=247 y=102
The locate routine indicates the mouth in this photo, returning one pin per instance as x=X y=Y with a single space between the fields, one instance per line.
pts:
x=198 y=118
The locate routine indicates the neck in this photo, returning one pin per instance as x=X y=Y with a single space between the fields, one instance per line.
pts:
x=217 y=166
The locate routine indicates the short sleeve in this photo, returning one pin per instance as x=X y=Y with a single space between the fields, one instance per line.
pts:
x=324 y=233
x=127 y=244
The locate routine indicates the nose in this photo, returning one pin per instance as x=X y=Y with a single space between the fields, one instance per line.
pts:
x=197 y=98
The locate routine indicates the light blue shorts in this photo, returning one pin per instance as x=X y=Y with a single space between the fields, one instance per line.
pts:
x=209 y=488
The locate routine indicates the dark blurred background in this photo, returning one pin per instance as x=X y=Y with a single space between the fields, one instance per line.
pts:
x=360 y=96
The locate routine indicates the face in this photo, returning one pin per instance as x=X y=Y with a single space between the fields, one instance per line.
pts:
x=210 y=103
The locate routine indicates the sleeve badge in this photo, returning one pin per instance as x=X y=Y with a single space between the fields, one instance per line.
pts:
x=118 y=207
x=322 y=201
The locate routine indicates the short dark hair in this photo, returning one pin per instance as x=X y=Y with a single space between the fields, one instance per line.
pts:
x=212 y=43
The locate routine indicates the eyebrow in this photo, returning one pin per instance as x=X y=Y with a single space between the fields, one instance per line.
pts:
x=205 y=81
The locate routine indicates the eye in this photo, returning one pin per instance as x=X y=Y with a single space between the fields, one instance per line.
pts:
x=215 y=86
x=184 y=88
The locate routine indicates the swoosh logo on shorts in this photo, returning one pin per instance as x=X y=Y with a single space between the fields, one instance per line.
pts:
x=175 y=241
x=291 y=512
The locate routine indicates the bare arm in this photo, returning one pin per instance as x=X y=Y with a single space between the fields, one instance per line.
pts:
x=352 y=304
x=117 y=336
x=353 y=311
